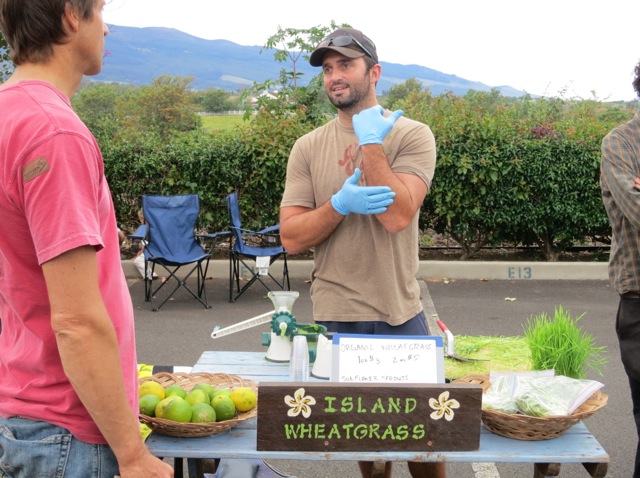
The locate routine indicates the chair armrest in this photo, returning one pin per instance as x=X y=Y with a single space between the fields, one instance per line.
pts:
x=214 y=235
x=141 y=233
x=270 y=229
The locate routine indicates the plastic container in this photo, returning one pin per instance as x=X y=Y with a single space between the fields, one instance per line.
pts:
x=299 y=362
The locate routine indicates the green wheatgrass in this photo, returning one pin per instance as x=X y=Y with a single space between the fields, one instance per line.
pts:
x=559 y=343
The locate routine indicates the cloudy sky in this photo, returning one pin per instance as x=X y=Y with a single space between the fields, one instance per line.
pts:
x=567 y=48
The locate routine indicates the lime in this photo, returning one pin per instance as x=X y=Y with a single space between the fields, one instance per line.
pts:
x=178 y=410
x=224 y=407
x=148 y=403
x=197 y=396
x=202 y=413
x=207 y=387
x=175 y=389
x=163 y=404
x=150 y=386
x=221 y=391
x=244 y=398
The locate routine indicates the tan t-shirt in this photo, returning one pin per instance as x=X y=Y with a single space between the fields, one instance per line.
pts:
x=361 y=272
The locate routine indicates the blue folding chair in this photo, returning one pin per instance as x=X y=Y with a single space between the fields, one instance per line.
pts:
x=170 y=242
x=247 y=245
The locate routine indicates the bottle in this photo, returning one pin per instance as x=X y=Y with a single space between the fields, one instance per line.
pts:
x=299 y=362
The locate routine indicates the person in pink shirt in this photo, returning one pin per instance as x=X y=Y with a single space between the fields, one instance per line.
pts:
x=68 y=366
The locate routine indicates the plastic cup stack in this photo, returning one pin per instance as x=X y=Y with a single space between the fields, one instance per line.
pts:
x=299 y=363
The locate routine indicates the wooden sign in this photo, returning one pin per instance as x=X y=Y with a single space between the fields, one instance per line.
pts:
x=387 y=358
x=329 y=416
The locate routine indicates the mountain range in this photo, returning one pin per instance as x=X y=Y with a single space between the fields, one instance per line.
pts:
x=138 y=55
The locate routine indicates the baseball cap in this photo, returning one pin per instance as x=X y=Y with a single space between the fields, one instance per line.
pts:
x=349 y=42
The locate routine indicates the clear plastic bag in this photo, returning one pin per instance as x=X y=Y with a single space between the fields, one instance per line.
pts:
x=537 y=394
x=499 y=396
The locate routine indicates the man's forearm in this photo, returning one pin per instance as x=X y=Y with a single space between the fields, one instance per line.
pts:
x=302 y=228
x=409 y=193
x=89 y=353
x=90 y=356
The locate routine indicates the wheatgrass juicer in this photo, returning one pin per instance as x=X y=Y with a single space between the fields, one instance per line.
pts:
x=283 y=328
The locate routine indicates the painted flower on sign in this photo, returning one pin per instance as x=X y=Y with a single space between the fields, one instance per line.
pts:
x=443 y=407
x=299 y=403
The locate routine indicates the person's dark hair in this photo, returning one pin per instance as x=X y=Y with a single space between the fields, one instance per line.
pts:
x=369 y=62
x=636 y=80
x=32 y=27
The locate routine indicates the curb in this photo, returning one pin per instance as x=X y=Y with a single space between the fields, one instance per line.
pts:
x=488 y=270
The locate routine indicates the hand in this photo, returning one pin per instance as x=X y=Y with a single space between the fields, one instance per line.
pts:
x=147 y=466
x=361 y=199
x=371 y=126
x=636 y=183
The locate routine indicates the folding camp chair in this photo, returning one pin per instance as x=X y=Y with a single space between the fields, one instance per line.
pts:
x=262 y=247
x=170 y=242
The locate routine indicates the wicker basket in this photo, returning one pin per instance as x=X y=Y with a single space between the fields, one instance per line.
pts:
x=524 y=427
x=188 y=381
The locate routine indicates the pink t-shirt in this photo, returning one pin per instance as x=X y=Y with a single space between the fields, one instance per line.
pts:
x=53 y=198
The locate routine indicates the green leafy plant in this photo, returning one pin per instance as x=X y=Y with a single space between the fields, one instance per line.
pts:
x=559 y=343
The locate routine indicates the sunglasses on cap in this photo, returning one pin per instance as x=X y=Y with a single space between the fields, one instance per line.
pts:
x=344 y=40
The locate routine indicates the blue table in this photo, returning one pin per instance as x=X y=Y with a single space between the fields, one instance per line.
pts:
x=577 y=445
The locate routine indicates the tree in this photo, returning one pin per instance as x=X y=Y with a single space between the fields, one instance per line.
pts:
x=164 y=107
x=310 y=102
x=6 y=65
x=401 y=92
x=95 y=103
x=291 y=44
x=214 y=100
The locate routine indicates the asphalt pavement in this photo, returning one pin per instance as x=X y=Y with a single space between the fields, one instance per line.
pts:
x=181 y=331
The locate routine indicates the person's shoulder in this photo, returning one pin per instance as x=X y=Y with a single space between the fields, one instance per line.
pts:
x=630 y=127
x=320 y=131
x=410 y=123
x=34 y=107
x=413 y=128
x=34 y=89
x=36 y=98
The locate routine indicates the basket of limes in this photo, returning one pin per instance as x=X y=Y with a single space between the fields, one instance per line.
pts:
x=195 y=404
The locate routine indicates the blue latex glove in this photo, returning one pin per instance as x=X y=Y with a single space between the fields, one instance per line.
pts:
x=371 y=126
x=361 y=199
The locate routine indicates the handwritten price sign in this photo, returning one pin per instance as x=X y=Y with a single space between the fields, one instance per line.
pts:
x=387 y=359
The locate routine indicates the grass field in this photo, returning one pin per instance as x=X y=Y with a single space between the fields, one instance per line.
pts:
x=217 y=123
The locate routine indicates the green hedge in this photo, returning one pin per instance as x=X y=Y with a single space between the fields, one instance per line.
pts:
x=507 y=173
x=207 y=165
x=526 y=192
x=516 y=172
x=250 y=160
